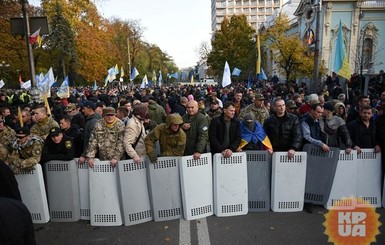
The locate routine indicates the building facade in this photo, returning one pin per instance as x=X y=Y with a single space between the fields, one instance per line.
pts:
x=256 y=11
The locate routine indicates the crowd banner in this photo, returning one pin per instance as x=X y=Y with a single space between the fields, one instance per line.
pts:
x=197 y=186
x=288 y=181
x=84 y=190
x=63 y=190
x=320 y=170
x=134 y=192
x=258 y=176
x=165 y=193
x=33 y=194
x=230 y=184
x=345 y=182
x=369 y=179
x=104 y=196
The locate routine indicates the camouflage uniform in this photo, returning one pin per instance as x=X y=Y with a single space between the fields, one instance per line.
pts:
x=7 y=137
x=41 y=129
x=107 y=141
x=260 y=114
x=27 y=155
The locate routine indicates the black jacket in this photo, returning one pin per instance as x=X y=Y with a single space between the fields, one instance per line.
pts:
x=362 y=136
x=217 y=130
x=64 y=151
x=285 y=133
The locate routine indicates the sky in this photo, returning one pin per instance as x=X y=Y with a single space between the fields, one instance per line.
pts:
x=178 y=27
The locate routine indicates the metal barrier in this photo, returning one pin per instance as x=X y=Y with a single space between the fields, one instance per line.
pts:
x=258 y=176
x=165 y=193
x=368 y=179
x=33 y=194
x=134 y=192
x=196 y=177
x=63 y=190
x=320 y=170
x=288 y=182
x=104 y=197
x=84 y=190
x=230 y=185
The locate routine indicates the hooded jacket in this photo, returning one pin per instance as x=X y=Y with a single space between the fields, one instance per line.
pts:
x=171 y=143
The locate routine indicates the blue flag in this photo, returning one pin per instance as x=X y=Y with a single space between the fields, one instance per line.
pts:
x=236 y=72
x=65 y=82
x=250 y=80
x=339 y=55
x=95 y=86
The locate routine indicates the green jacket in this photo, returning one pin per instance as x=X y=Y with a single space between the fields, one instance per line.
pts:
x=171 y=143
x=197 y=135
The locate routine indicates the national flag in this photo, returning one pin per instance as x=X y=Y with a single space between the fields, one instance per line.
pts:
x=341 y=64
x=144 y=82
x=63 y=92
x=20 y=116
x=258 y=69
x=259 y=135
x=250 y=80
x=134 y=73
x=262 y=75
x=121 y=72
x=34 y=37
x=2 y=83
x=50 y=77
x=192 y=79
x=65 y=82
x=160 y=78
x=226 y=79
x=95 y=86
x=236 y=72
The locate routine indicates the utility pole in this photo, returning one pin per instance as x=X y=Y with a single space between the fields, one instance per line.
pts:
x=129 y=58
x=27 y=33
x=316 y=78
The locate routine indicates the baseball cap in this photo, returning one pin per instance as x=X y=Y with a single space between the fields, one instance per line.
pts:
x=22 y=132
x=70 y=107
x=55 y=131
x=259 y=97
x=291 y=104
x=329 y=106
x=89 y=104
x=109 y=111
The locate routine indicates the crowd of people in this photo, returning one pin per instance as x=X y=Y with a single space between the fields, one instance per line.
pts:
x=117 y=123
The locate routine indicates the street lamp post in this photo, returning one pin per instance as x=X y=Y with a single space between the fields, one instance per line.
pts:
x=129 y=58
x=316 y=82
x=3 y=67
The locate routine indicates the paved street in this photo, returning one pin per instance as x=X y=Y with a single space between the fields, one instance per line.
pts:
x=253 y=228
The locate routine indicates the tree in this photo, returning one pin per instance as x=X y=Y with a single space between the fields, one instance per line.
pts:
x=61 y=43
x=233 y=43
x=289 y=51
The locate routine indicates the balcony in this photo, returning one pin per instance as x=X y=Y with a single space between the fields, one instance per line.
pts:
x=373 y=4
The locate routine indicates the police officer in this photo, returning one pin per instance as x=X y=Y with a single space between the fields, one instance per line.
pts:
x=57 y=147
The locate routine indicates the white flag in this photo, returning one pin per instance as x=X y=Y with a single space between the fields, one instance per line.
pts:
x=144 y=82
x=26 y=85
x=226 y=80
x=2 y=83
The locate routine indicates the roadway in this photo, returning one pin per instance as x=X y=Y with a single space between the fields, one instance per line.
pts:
x=253 y=228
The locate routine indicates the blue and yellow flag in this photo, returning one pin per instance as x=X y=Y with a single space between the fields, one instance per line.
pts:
x=259 y=135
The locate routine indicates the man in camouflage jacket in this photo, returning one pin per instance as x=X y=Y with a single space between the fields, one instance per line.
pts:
x=7 y=137
x=43 y=124
x=106 y=139
x=25 y=151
